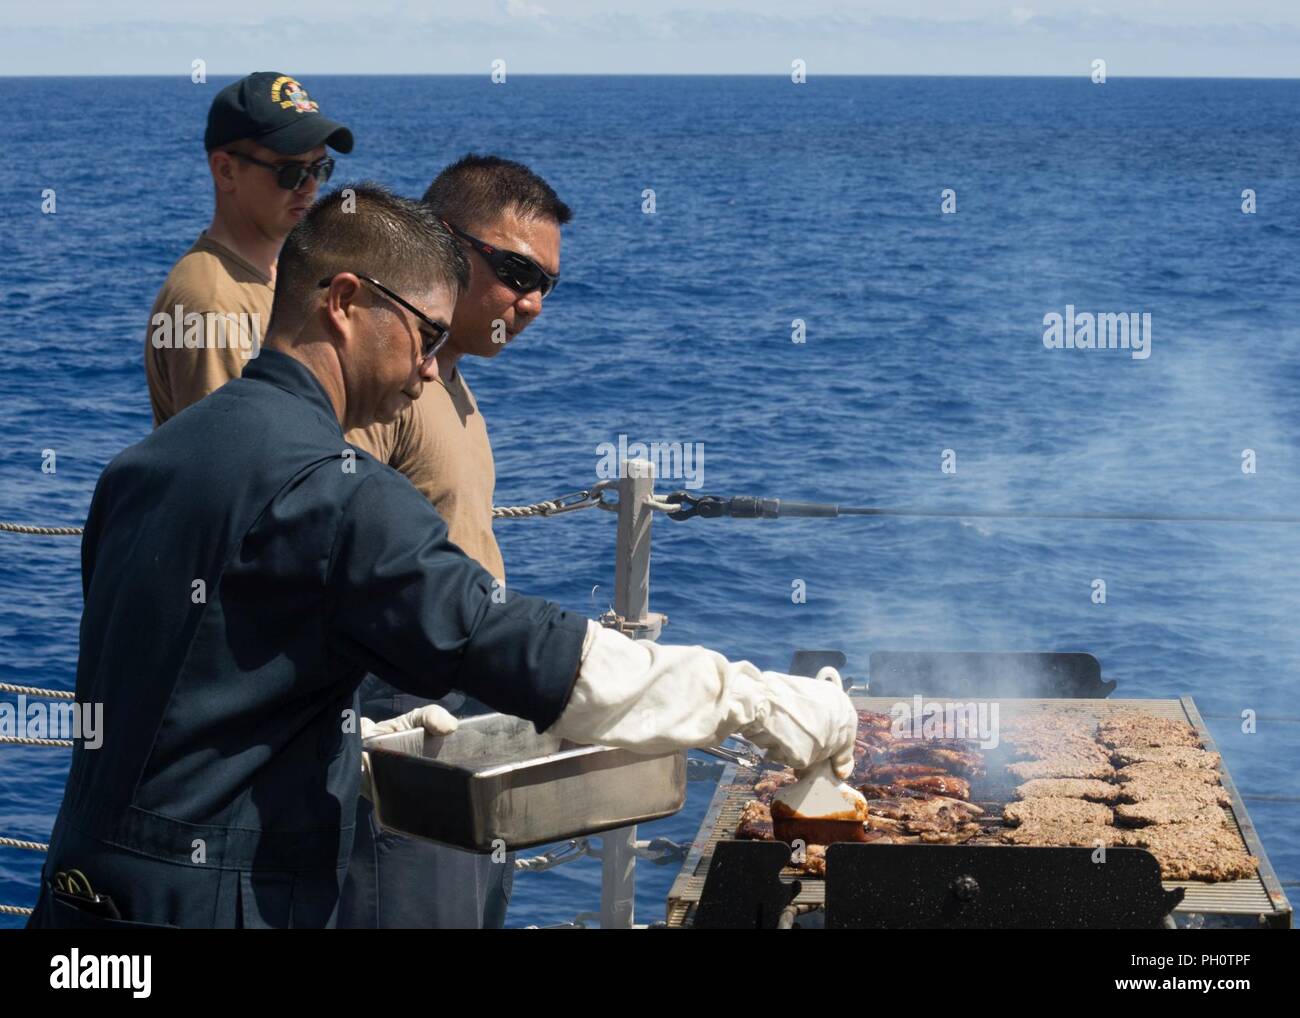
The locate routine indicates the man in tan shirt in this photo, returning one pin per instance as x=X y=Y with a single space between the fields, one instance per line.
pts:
x=265 y=141
x=508 y=220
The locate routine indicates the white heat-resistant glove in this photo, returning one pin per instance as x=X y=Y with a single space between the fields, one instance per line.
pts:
x=432 y=718
x=651 y=697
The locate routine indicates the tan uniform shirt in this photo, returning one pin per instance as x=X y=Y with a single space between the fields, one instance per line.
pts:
x=206 y=324
x=440 y=442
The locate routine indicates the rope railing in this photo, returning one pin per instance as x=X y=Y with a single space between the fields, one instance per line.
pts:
x=22 y=528
x=589 y=498
x=19 y=740
x=52 y=694
x=31 y=846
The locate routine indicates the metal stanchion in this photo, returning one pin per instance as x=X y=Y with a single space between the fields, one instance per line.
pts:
x=632 y=616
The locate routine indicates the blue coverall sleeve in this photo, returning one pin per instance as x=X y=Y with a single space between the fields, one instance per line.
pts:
x=419 y=613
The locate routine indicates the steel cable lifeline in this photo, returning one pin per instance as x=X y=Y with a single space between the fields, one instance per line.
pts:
x=689 y=506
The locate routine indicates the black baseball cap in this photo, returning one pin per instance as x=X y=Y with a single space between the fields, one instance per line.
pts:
x=274 y=110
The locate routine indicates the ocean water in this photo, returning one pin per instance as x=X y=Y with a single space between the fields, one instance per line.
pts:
x=773 y=202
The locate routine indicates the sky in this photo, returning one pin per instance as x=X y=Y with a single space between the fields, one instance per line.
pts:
x=1179 y=38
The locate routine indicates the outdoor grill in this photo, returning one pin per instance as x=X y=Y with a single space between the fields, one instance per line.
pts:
x=979 y=884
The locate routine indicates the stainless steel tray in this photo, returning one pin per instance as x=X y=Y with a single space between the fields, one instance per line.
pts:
x=496 y=782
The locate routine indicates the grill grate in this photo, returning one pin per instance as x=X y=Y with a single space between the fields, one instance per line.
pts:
x=1259 y=897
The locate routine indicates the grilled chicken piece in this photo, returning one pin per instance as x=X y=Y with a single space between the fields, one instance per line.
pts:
x=938 y=784
x=954 y=761
x=890 y=772
x=882 y=791
x=755 y=822
x=874 y=720
x=814 y=861
x=958 y=835
x=770 y=781
x=928 y=808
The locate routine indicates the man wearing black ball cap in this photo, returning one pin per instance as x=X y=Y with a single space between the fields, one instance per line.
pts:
x=266 y=141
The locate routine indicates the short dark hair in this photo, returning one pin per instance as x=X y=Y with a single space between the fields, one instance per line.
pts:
x=364 y=228
x=476 y=190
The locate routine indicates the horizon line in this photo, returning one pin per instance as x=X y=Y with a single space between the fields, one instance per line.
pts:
x=681 y=74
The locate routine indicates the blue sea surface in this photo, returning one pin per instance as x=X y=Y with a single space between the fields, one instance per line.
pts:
x=773 y=202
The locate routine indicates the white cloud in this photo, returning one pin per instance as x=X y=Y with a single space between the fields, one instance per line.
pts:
x=523 y=10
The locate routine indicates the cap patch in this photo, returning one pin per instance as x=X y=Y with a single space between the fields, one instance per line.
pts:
x=291 y=95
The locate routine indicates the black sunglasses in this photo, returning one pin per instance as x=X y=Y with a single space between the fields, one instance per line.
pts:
x=428 y=344
x=520 y=273
x=290 y=176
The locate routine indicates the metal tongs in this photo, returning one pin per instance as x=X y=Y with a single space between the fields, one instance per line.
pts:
x=748 y=755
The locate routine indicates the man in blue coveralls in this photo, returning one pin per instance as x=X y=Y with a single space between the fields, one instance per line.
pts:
x=243 y=567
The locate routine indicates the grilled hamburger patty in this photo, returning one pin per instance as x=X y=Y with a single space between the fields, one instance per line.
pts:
x=1062 y=834
x=1063 y=744
x=1195 y=851
x=1061 y=766
x=1169 y=810
x=1069 y=788
x=1056 y=810
x=1133 y=728
x=1164 y=773
x=1169 y=756
x=1172 y=788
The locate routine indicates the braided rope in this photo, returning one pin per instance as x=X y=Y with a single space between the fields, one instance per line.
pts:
x=517 y=512
x=22 y=528
x=14 y=910
x=499 y=512
x=18 y=740
x=52 y=694
x=34 y=846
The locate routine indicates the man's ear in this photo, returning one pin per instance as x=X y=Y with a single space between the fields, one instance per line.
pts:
x=341 y=307
x=222 y=166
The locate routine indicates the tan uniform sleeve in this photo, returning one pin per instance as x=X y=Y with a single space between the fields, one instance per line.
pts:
x=180 y=374
x=192 y=374
x=410 y=454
